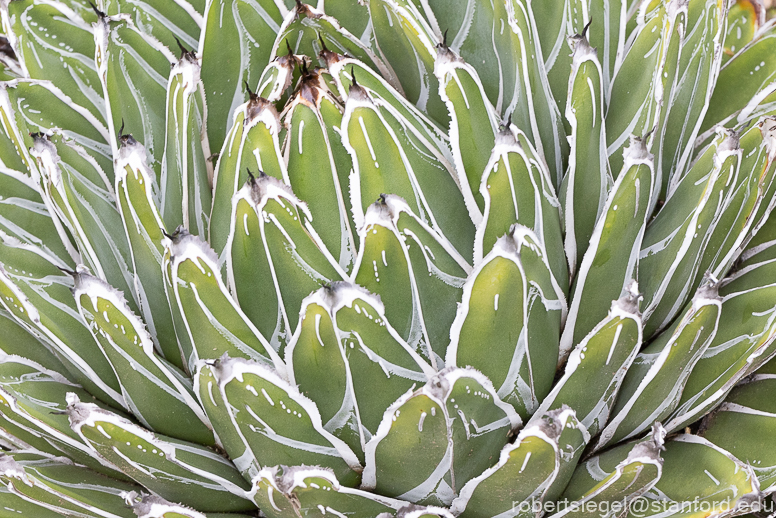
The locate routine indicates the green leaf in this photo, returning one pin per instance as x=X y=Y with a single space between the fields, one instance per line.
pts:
x=253 y=144
x=62 y=487
x=588 y=180
x=597 y=365
x=210 y=319
x=277 y=78
x=343 y=71
x=512 y=302
x=744 y=341
x=742 y=425
x=136 y=200
x=517 y=189
x=410 y=456
x=475 y=29
x=53 y=42
x=40 y=106
x=390 y=158
x=165 y=21
x=83 y=198
x=744 y=81
x=134 y=68
x=25 y=217
x=274 y=250
x=407 y=44
x=186 y=173
x=688 y=102
x=456 y=423
x=521 y=477
x=638 y=86
x=276 y=423
x=350 y=362
x=152 y=388
x=472 y=127
x=38 y=296
x=175 y=470
x=609 y=37
x=678 y=239
x=315 y=492
x=610 y=264
x=316 y=171
x=15 y=340
x=698 y=478
x=33 y=400
x=630 y=479
x=744 y=19
x=654 y=383
x=537 y=114
x=415 y=271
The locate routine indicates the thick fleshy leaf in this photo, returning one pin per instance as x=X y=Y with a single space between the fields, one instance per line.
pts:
x=473 y=29
x=25 y=217
x=686 y=104
x=675 y=244
x=315 y=492
x=344 y=70
x=513 y=304
x=609 y=37
x=523 y=474
x=83 y=199
x=136 y=199
x=168 y=22
x=562 y=20
x=367 y=365
x=390 y=158
x=536 y=112
x=743 y=342
x=38 y=296
x=207 y=318
x=33 y=400
x=449 y=425
x=306 y=31
x=153 y=389
x=236 y=44
x=252 y=145
x=750 y=203
x=638 y=88
x=610 y=264
x=744 y=81
x=62 y=487
x=517 y=188
x=742 y=425
x=15 y=340
x=176 y=470
x=654 y=383
x=41 y=107
x=415 y=271
x=473 y=123
x=55 y=43
x=186 y=172
x=133 y=68
x=688 y=462
x=316 y=171
x=145 y=505
x=273 y=250
x=276 y=423
x=744 y=17
x=588 y=180
x=597 y=366
x=407 y=43
x=630 y=479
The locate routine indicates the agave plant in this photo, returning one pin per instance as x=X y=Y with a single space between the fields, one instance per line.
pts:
x=387 y=258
